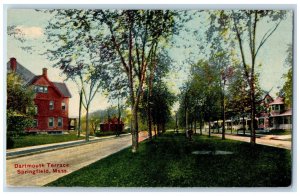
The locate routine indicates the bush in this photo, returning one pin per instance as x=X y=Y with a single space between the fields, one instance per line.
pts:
x=9 y=142
x=17 y=123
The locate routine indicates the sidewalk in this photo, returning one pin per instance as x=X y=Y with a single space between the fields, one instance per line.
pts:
x=279 y=141
x=19 y=152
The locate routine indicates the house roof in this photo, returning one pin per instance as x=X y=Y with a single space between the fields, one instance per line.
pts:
x=26 y=75
x=285 y=113
x=62 y=88
x=29 y=78
x=277 y=101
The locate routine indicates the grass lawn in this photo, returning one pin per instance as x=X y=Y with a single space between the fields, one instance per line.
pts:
x=169 y=162
x=38 y=139
x=280 y=132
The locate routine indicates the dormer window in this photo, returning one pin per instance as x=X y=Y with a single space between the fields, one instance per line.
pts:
x=41 y=89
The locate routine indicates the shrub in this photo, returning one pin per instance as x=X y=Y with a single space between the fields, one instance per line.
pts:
x=17 y=123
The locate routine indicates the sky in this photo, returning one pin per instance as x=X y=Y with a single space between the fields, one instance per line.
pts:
x=32 y=25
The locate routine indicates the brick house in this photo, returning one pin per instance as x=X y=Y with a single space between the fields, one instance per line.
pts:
x=112 y=124
x=51 y=99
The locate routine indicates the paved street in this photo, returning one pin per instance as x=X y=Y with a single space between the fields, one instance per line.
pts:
x=52 y=165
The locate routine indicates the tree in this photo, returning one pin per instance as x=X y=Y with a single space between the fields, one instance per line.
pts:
x=76 y=52
x=161 y=101
x=287 y=89
x=126 y=40
x=202 y=92
x=17 y=33
x=20 y=107
x=154 y=76
x=243 y=26
x=135 y=36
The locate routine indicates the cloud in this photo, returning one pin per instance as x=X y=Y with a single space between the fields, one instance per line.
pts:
x=31 y=32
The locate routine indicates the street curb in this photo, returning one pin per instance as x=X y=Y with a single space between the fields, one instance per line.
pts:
x=18 y=154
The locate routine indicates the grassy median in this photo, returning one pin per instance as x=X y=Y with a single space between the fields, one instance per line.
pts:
x=39 y=139
x=169 y=162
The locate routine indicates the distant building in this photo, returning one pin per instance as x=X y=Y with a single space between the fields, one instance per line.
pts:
x=112 y=125
x=273 y=115
x=51 y=99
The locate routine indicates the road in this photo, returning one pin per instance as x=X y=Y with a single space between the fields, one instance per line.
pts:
x=31 y=171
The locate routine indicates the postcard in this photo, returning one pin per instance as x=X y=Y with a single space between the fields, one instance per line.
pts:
x=160 y=98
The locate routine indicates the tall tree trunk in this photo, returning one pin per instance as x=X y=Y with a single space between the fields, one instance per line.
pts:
x=253 y=57
x=195 y=126
x=149 y=121
x=209 y=128
x=223 y=111
x=79 y=120
x=119 y=128
x=176 y=123
x=200 y=124
x=135 y=133
x=218 y=126
x=244 y=125
x=253 y=137
x=87 y=128
x=186 y=122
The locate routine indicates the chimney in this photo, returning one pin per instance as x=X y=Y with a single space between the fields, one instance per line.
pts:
x=45 y=72
x=13 y=64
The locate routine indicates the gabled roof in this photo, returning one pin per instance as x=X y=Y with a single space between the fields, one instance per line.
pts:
x=63 y=88
x=277 y=101
x=29 y=78
x=26 y=75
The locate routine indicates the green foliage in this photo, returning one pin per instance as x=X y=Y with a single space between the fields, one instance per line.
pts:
x=19 y=107
x=17 y=123
x=160 y=102
x=201 y=95
x=170 y=163
x=39 y=139
x=239 y=101
x=287 y=89
x=19 y=96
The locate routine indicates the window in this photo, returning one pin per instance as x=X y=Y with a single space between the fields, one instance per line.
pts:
x=63 y=106
x=36 y=109
x=51 y=105
x=41 y=89
x=35 y=123
x=286 y=120
x=60 y=122
x=51 y=122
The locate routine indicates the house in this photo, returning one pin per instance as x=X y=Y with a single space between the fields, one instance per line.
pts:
x=263 y=115
x=272 y=115
x=112 y=125
x=51 y=99
x=280 y=118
